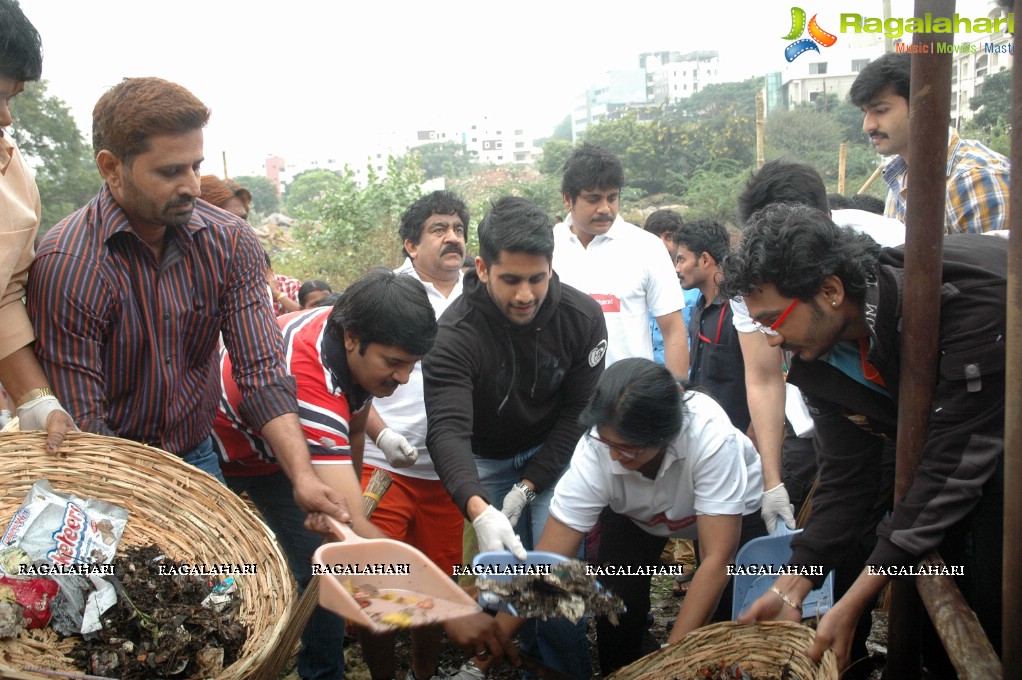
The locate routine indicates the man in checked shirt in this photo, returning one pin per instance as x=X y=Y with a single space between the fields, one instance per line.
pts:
x=129 y=295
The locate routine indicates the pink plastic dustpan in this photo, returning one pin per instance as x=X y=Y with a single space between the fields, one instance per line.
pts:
x=382 y=584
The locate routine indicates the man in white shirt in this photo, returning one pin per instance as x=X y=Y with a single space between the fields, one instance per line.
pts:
x=627 y=270
x=417 y=509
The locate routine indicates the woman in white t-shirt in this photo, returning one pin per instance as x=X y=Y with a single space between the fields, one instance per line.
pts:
x=657 y=461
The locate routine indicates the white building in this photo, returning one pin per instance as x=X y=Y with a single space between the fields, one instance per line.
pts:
x=682 y=75
x=832 y=72
x=983 y=57
x=487 y=141
x=616 y=91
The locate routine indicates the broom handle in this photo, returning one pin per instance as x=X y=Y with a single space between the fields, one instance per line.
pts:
x=310 y=596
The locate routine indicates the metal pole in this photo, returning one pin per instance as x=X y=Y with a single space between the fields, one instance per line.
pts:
x=929 y=110
x=1011 y=603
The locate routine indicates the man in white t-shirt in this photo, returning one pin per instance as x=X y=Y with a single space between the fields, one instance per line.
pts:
x=627 y=270
x=417 y=509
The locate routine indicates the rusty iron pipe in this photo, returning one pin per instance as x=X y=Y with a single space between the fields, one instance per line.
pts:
x=929 y=111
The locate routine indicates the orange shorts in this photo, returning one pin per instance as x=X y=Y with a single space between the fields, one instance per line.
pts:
x=420 y=513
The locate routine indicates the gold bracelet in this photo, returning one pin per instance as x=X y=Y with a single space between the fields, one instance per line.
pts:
x=787 y=600
x=34 y=394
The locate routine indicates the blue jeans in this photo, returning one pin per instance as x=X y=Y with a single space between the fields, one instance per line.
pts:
x=559 y=643
x=204 y=457
x=322 y=653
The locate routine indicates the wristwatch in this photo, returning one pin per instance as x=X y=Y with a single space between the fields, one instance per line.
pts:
x=530 y=495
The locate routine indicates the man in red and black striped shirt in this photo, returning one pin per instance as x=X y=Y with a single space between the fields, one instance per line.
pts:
x=129 y=295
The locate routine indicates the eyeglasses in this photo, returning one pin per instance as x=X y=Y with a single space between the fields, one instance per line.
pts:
x=626 y=452
x=771 y=330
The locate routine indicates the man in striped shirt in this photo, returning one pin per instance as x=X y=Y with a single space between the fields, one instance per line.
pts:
x=129 y=295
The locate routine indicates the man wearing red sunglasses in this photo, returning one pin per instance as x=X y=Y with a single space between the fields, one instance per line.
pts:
x=834 y=298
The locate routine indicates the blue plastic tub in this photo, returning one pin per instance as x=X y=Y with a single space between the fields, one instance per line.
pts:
x=774 y=550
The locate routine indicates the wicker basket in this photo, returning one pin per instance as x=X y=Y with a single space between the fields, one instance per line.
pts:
x=761 y=649
x=186 y=512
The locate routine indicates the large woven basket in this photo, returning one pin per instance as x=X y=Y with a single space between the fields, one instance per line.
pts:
x=761 y=649
x=187 y=512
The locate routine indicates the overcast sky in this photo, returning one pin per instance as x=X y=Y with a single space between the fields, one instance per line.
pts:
x=318 y=79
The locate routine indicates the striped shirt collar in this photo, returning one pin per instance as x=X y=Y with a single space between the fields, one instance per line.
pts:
x=117 y=220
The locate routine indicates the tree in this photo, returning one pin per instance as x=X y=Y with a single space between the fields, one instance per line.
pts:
x=713 y=194
x=555 y=152
x=264 y=194
x=737 y=96
x=53 y=145
x=992 y=122
x=563 y=130
x=805 y=136
x=635 y=144
x=444 y=159
x=344 y=230
x=310 y=186
x=993 y=103
x=847 y=116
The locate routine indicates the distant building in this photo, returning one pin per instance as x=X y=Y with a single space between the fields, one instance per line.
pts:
x=833 y=72
x=616 y=92
x=275 y=167
x=662 y=78
x=682 y=75
x=982 y=57
x=487 y=141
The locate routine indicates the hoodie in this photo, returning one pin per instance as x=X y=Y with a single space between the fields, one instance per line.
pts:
x=494 y=388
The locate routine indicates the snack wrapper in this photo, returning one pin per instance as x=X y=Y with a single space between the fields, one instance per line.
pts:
x=65 y=530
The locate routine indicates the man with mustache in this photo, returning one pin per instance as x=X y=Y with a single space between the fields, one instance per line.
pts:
x=416 y=508
x=130 y=294
x=516 y=359
x=627 y=270
x=835 y=298
x=977 y=176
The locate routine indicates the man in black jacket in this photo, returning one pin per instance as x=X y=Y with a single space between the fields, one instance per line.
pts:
x=516 y=359
x=834 y=298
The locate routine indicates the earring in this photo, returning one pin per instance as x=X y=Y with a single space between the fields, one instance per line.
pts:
x=833 y=303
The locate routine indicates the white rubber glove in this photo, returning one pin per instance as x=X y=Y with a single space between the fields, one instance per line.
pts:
x=777 y=504
x=396 y=448
x=494 y=532
x=514 y=502
x=33 y=415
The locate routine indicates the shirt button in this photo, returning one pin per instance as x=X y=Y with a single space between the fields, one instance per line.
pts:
x=168 y=358
x=166 y=315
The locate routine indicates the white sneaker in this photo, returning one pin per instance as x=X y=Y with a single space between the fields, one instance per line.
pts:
x=468 y=671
